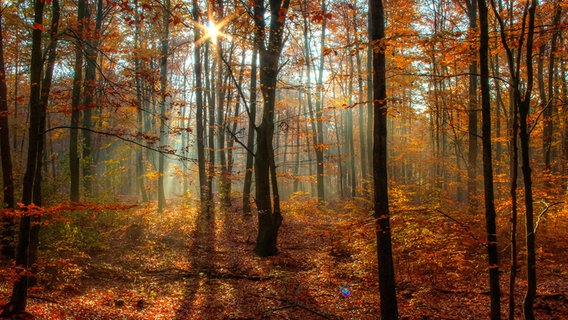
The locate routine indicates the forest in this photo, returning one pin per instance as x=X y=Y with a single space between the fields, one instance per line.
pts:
x=284 y=159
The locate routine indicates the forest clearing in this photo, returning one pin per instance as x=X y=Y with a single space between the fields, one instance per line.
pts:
x=137 y=265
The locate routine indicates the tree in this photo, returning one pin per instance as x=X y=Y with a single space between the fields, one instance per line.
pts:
x=251 y=130
x=91 y=54
x=547 y=96
x=521 y=102
x=387 y=284
x=490 y=213
x=163 y=103
x=472 y=116
x=203 y=186
x=8 y=223
x=74 y=160
x=31 y=193
x=140 y=106
x=270 y=48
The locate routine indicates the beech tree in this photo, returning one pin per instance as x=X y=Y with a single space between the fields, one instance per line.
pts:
x=7 y=236
x=269 y=42
x=490 y=212
x=74 y=160
x=521 y=99
x=26 y=250
x=387 y=284
x=164 y=102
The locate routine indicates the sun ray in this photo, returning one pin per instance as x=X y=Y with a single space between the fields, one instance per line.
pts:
x=211 y=30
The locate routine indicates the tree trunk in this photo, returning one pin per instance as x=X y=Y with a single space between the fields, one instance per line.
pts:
x=8 y=223
x=199 y=119
x=44 y=96
x=231 y=141
x=91 y=53
x=547 y=99
x=524 y=134
x=320 y=148
x=350 y=142
x=514 y=163
x=362 y=130
x=163 y=106
x=269 y=218
x=74 y=163
x=140 y=97
x=387 y=283
x=490 y=213
x=211 y=128
x=18 y=300
x=472 y=113
x=251 y=131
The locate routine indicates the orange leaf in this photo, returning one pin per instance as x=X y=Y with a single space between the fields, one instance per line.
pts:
x=38 y=26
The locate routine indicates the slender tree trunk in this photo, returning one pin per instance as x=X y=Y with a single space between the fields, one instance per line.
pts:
x=8 y=223
x=140 y=170
x=490 y=213
x=341 y=177
x=320 y=148
x=163 y=106
x=200 y=128
x=18 y=300
x=317 y=143
x=349 y=130
x=89 y=93
x=387 y=283
x=529 y=214
x=362 y=129
x=251 y=132
x=547 y=111
x=231 y=141
x=224 y=193
x=472 y=113
x=370 y=105
x=44 y=97
x=211 y=127
x=74 y=163
x=514 y=212
x=547 y=99
x=524 y=134
x=298 y=131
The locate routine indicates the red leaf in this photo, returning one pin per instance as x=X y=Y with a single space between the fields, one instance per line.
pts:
x=38 y=26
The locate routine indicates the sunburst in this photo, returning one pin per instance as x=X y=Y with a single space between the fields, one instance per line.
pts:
x=213 y=30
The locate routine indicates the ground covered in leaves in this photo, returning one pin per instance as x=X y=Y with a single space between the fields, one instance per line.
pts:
x=139 y=264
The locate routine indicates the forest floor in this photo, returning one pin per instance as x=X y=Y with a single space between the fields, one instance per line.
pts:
x=139 y=264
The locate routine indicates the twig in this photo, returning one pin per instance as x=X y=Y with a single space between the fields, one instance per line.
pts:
x=239 y=90
x=540 y=216
x=239 y=141
x=119 y=136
